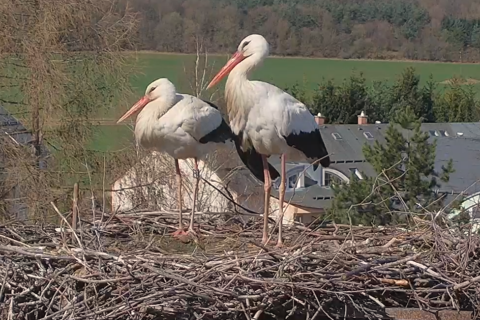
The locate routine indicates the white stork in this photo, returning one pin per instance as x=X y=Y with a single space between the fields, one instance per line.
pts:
x=267 y=119
x=184 y=126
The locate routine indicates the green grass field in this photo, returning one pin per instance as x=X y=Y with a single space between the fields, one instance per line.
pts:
x=111 y=138
x=286 y=71
x=282 y=72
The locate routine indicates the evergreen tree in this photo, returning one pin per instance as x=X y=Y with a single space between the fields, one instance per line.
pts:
x=475 y=37
x=379 y=97
x=406 y=179
x=299 y=92
x=406 y=92
x=342 y=104
x=458 y=103
x=383 y=101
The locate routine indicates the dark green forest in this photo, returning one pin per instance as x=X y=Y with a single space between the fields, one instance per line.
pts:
x=440 y=30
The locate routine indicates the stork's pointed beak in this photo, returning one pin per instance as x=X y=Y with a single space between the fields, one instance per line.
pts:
x=136 y=107
x=234 y=60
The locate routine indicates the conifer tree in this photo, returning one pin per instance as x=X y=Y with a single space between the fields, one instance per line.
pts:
x=406 y=180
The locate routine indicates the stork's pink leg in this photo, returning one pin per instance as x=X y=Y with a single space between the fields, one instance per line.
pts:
x=196 y=176
x=268 y=187
x=281 y=191
x=180 y=230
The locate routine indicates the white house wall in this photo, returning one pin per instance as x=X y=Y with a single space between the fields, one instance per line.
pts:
x=142 y=184
x=470 y=205
x=154 y=177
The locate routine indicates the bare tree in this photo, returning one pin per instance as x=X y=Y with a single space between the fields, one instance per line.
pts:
x=61 y=67
x=201 y=72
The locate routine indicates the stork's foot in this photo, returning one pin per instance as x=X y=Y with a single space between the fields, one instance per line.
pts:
x=265 y=241
x=280 y=244
x=179 y=233
x=194 y=235
x=181 y=236
x=191 y=231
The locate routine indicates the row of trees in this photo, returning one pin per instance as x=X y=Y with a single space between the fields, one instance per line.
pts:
x=445 y=30
x=457 y=102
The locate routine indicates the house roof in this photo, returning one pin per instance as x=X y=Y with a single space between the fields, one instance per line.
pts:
x=457 y=141
x=11 y=127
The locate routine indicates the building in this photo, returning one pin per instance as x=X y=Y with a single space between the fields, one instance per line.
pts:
x=309 y=194
x=457 y=141
x=151 y=184
x=12 y=135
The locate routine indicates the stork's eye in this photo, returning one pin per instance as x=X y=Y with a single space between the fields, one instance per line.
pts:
x=151 y=89
x=245 y=44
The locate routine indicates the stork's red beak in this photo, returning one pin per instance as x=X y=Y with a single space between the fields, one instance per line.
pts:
x=234 y=60
x=136 y=107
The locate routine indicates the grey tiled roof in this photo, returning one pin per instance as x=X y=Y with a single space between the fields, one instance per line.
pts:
x=12 y=129
x=457 y=141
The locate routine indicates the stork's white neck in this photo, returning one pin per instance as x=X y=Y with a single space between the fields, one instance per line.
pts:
x=239 y=92
x=155 y=109
x=244 y=68
x=148 y=118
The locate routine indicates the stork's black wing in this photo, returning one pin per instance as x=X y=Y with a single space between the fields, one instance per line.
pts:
x=253 y=161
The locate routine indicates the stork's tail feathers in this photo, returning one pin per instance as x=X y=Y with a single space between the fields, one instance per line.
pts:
x=312 y=146
x=324 y=161
x=253 y=161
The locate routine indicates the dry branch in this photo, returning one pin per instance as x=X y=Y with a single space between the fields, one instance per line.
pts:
x=130 y=269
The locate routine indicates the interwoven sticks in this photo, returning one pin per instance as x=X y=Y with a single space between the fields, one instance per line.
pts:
x=132 y=269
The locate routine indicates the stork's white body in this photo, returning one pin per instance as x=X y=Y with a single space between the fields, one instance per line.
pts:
x=180 y=125
x=268 y=115
x=177 y=131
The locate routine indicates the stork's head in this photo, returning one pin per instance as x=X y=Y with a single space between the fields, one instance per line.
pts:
x=254 y=44
x=158 y=89
x=253 y=49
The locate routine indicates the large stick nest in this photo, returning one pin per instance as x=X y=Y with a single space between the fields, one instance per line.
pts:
x=130 y=268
